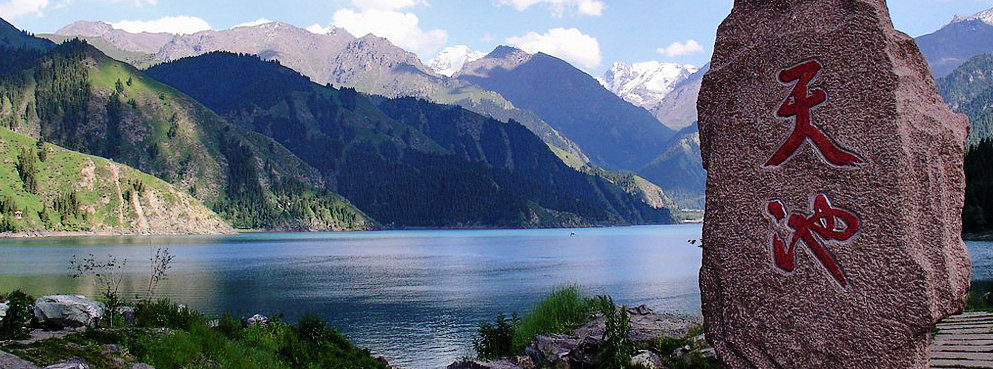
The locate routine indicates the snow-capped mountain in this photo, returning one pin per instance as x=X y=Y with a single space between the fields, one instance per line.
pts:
x=958 y=41
x=645 y=84
x=985 y=16
x=450 y=60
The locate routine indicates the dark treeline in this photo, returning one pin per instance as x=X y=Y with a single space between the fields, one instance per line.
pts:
x=405 y=162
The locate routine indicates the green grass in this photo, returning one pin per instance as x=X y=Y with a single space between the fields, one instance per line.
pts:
x=64 y=172
x=562 y=311
x=182 y=339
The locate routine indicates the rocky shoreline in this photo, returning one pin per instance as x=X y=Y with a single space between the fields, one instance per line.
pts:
x=59 y=316
x=582 y=348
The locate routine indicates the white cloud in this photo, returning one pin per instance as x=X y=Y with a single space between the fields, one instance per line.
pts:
x=16 y=8
x=253 y=23
x=316 y=28
x=177 y=25
x=401 y=29
x=680 y=49
x=558 y=7
x=568 y=44
x=387 y=4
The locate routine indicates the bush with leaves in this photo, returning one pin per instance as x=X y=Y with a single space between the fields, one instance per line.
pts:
x=166 y=314
x=496 y=340
x=18 y=313
x=617 y=347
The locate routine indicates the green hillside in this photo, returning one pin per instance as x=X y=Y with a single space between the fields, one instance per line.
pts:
x=47 y=188
x=969 y=90
x=77 y=97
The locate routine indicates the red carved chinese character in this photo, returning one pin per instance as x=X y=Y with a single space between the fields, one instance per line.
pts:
x=798 y=104
x=825 y=224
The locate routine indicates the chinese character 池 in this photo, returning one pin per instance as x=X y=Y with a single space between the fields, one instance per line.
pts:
x=798 y=105
x=827 y=223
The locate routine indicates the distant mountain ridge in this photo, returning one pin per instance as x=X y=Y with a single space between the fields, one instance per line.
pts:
x=957 y=42
x=614 y=133
x=373 y=65
x=145 y=42
x=647 y=84
x=369 y=64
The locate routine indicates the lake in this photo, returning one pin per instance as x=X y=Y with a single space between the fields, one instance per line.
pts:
x=415 y=297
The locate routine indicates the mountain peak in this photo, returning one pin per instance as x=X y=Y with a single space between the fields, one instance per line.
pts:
x=645 y=84
x=504 y=51
x=86 y=28
x=985 y=16
x=451 y=60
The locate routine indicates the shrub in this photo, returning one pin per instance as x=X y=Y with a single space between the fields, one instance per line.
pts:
x=617 y=347
x=495 y=340
x=18 y=313
x=229 y=326
x=166 y=314
x=562 y=311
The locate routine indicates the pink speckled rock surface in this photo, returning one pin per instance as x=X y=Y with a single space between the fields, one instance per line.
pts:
x=859 y=295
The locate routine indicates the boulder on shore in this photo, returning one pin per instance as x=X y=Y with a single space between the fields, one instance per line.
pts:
x=518 y=362
x=647 y=360
x=559 y=350
x=3 y=309
x=647 y=326
x=67 y=311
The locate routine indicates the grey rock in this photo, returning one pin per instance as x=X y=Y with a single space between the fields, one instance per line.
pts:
x=506 y=363
x=141 y=366
x=647 y=360
x=709 y=353
x=62 y=311
x=258 y=319
x=128 y=313
x=3 y=309
x=70 y=364
x=559 y=350
x=647 y=326
x=9 y=361
x=548 y=350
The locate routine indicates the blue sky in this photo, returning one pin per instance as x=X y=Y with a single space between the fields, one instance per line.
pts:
x=591 y=34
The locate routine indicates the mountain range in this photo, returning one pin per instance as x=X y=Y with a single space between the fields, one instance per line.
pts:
x=375 y=66
x=265 y=147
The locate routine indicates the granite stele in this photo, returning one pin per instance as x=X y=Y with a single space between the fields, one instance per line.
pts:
x=832 y=236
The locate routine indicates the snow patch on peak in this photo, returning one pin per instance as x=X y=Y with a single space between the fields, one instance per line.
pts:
x=451 y=60
x=985 y=16
x=647 y=83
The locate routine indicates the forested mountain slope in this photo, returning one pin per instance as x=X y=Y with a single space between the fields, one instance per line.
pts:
x=405 y=161
x=76 y=97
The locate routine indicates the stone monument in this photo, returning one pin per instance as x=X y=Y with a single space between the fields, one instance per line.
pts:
x=832 y=236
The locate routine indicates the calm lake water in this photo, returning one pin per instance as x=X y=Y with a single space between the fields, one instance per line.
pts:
x=412 y=296
x=415 y=297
